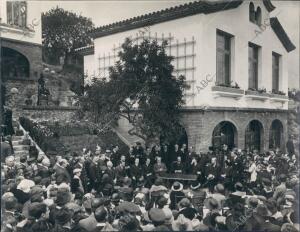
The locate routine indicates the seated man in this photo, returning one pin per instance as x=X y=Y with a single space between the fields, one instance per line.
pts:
x=177 y=166
x=159 y=167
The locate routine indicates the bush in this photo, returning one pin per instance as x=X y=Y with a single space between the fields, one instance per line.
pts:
x=47 y=140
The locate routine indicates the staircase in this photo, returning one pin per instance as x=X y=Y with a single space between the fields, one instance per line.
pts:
x=18 y=141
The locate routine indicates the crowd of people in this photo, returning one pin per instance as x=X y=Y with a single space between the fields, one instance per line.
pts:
x=105 y=190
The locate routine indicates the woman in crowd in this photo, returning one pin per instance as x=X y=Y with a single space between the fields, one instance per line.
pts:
x=110 y=191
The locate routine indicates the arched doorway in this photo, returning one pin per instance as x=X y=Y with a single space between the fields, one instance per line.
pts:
x=254 y=136
x=14 y=64
x=276 y=134
x=224 y=133
x=180 y=138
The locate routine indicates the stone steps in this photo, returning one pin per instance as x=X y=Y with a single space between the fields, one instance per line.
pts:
x=21 y=147
x=18 y=138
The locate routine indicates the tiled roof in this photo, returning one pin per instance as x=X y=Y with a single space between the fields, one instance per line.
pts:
x=171 y=13
x=87 y=50
x=281 y=34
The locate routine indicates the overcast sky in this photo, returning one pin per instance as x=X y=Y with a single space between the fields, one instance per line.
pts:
x=105 y=12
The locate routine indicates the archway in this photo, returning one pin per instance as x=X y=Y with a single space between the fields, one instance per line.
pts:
x=254 y=136
x=14 y=64
x=181 y=138
x=276 y=134
x=224 y=133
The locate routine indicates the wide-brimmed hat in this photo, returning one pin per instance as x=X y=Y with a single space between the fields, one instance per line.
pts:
x=252 y=202
x=25 y=185
x=195 y=185
x=177 y=186
x=129 y=207
x=184 y=203
x=211 y=203
x=156 y=215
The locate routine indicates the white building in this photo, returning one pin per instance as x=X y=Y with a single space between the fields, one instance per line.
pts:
x=217 y=45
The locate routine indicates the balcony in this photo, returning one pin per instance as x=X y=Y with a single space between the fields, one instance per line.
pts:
x=256 y=95
x=230 y=92
x=16 y=29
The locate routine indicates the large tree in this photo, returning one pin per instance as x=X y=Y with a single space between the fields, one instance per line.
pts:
x=141 y=88
x=62 y=32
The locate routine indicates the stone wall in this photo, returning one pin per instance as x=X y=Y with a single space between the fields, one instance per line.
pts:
x=199 y=124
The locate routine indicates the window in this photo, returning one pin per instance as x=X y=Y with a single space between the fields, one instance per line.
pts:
x=258 y=16
x=251 y=12
x=16 y=13
x=275 y=71
x=223 y=58
x=253 y=66
x=254 y=15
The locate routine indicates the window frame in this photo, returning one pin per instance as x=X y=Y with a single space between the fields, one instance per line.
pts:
x=14 y=15
x=226 y=53
x=276 y=81
x=251 y=12
x=253 y=62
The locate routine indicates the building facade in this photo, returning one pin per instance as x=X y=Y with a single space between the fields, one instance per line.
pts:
x=234 y=57
x=21 y=46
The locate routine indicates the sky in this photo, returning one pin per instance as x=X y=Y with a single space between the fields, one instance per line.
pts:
x=106 y=12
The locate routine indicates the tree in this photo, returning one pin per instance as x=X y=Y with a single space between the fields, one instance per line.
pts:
x=62 y=32
x=140 y=88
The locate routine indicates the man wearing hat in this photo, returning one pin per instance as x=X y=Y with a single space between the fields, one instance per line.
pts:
x=157 y=217
x=197 y=195
x=8 y=217
x=90 y=223
x=176 y=194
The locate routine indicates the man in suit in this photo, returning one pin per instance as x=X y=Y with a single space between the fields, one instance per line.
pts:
x=159 y=167
x=212 y=173
x=6 y=149
x=178 y=166
x=148 y=173
x=90 y=223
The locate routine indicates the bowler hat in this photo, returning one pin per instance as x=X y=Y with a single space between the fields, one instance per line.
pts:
x=211 y=203
x=177 y=186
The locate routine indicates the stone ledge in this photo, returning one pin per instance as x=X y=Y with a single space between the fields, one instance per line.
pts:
x=273 y=95
x=216 y=108
x=62 y=108
x=257 y=95
x=217 y=88
x=20 y=80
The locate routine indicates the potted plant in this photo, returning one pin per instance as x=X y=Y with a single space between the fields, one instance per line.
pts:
x=29 y=92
